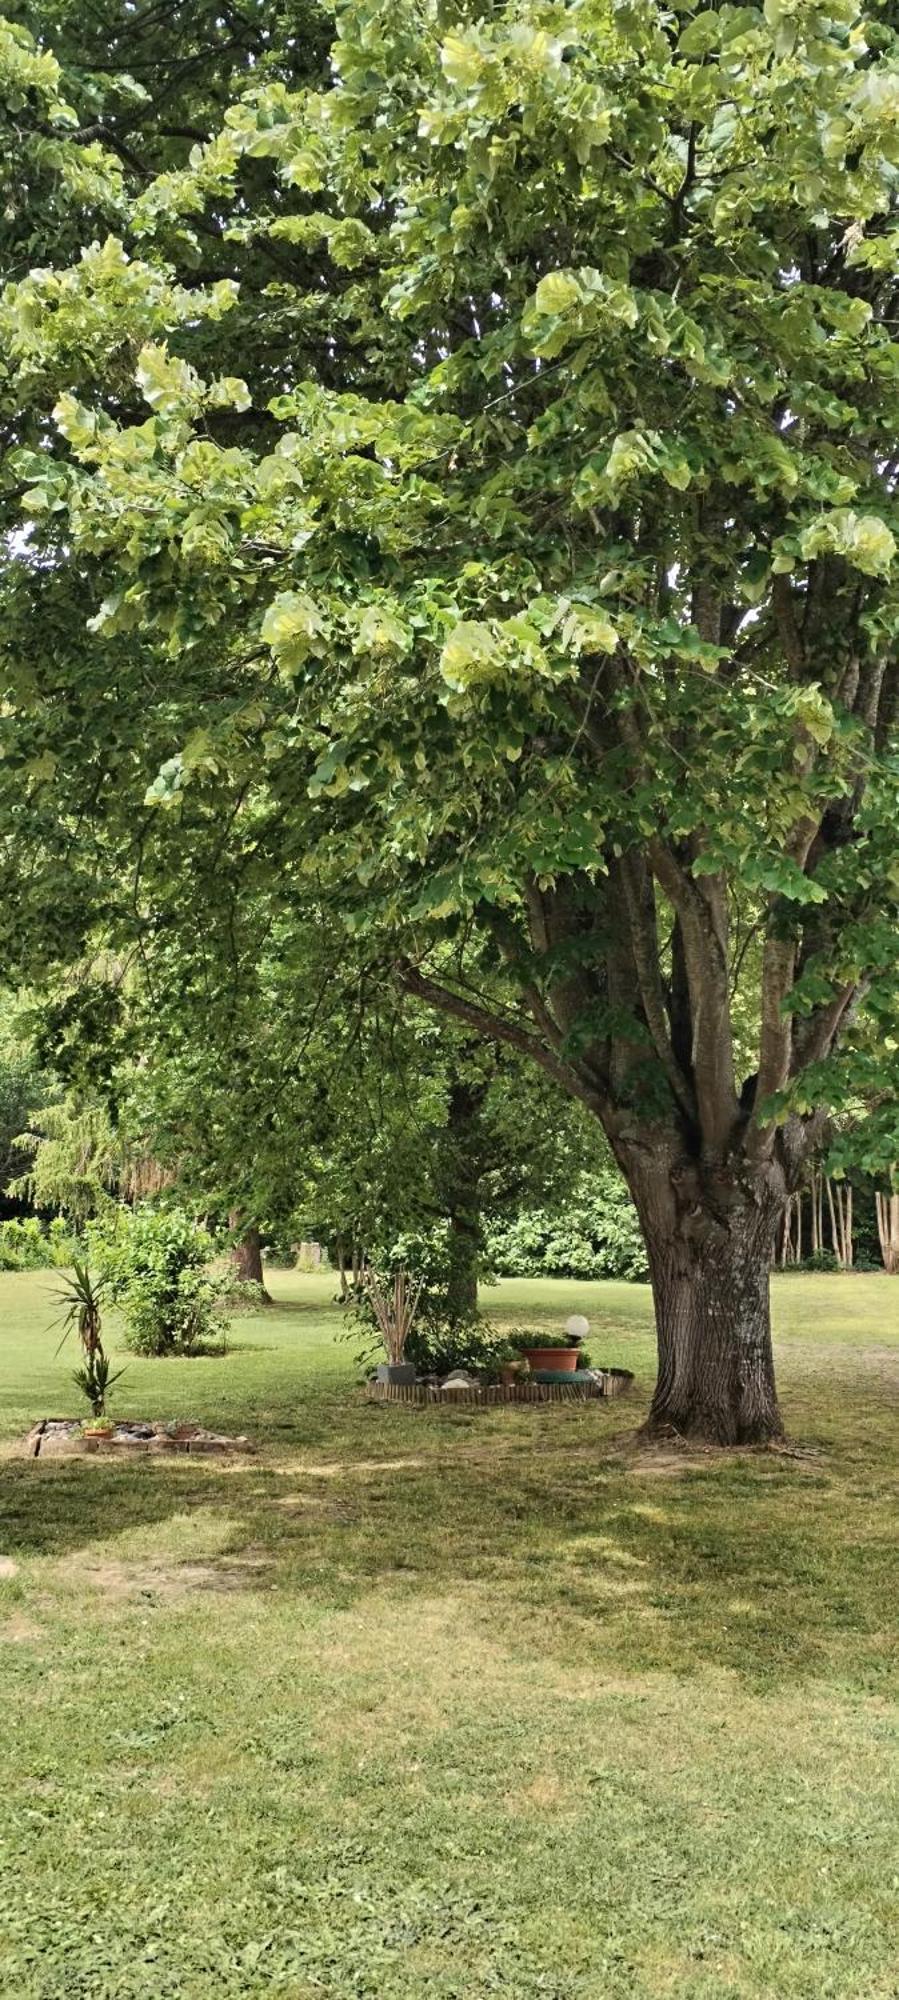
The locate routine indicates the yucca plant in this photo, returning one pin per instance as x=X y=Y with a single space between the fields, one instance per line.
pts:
x=95 y=1381
x=82 y=1296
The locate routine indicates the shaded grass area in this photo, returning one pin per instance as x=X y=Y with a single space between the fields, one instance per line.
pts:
x=452 y=1703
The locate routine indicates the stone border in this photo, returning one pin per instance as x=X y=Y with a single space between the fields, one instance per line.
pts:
x=59 y=1437
x=599 y=1382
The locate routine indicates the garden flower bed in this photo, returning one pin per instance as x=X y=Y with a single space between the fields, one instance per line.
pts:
x=581 y=1386
x=57 y=1436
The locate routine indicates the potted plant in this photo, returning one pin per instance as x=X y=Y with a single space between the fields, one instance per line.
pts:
x=394 y=1304
x=97 y=1430
x=545 y=1352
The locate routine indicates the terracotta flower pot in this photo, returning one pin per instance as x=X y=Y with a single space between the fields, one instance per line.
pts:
x=562 y=1360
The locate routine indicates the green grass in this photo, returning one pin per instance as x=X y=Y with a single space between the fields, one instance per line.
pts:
x=452 y=1704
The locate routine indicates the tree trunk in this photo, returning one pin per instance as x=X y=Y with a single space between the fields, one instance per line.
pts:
x=340 y=1256
x=458 y=1180
x=709 y=1260
x=246 y=1256
x=464 y=1260
x=887 y=1206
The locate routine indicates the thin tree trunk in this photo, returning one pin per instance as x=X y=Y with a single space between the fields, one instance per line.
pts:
x=785 y=1239
x=837 y=1248
x=839 y=1195
x=816 y=1232
x=887 y=1207
x=458 y=1181
x=246 y=1256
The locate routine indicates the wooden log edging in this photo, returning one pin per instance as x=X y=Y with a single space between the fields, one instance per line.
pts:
x=611 y=1382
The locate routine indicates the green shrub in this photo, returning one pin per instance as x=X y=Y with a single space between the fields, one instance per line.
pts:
x=155 y=1267
x=27 y=1245
x=595 y=1235
x=437 y=1348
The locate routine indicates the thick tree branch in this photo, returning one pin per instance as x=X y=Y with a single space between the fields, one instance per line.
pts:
x=515 y=952
x=495 y=1028
x=822 y=1028
x=640 y=902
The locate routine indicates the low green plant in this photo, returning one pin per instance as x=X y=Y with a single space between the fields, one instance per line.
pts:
x=155 y=1264
x=472 y=1344
x=521 y=1338
x=241 y=1295
x=94 y=1380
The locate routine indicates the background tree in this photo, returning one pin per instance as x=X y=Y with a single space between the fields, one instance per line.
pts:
x=22 y=1090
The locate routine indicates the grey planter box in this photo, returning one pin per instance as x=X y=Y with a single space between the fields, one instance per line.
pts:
x=400 y=1373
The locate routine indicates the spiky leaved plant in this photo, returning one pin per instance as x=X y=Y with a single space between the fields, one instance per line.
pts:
x=82 y=1297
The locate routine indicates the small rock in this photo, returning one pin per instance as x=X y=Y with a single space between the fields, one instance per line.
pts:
x=7 y=1566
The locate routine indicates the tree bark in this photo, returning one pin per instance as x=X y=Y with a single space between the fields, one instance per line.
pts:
x=246 y=1257
x=710 y=1252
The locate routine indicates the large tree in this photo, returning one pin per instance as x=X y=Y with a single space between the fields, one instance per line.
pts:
x=534 y=577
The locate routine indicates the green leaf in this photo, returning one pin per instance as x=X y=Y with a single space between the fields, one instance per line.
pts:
x=701 y=35
x=292 y=626
x=461 y=61
x=470 y=654
x=557 y=293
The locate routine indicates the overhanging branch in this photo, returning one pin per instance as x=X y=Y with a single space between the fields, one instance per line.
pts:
x=497 y=1028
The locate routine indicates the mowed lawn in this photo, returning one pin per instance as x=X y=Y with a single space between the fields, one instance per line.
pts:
x=452 y=1703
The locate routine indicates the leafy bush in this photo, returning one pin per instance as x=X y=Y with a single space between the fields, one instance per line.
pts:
x=154 y=1264
x=241 y=1295
x=27 y=1245
x=436 y=1349
x=595 y=1235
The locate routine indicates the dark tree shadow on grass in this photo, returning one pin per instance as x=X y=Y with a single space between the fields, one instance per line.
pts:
x=549 y=1525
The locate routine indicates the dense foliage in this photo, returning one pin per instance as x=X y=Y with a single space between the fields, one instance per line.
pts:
x=594 y=1234
x=27 y=1244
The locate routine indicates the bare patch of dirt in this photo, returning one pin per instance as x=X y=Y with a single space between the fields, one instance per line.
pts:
x=167 y=1582
x=361 y=1466
x=18 y=1631
x=545 y=1794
